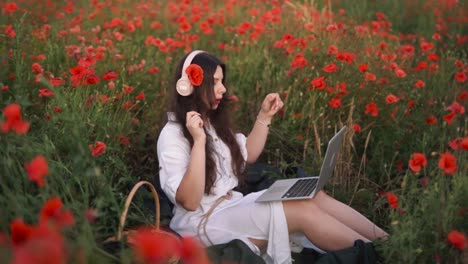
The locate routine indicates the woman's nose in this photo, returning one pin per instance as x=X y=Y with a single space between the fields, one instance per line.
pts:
x=221 y=88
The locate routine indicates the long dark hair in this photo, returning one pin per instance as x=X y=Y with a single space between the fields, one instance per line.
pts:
x=219 y=118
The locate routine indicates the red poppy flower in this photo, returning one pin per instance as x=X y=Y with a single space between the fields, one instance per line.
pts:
x=9 y=31
x=299 y=61
x=319 y=83
x=140 y=96
x=37 y=169
x=98 y=148
x=417 y=162
x=357 y=128
x=463 y=95
x=192 y=252
x=419 y=84
x=400 y=73
x=153 y=70
x=391 y=99
x=110 y=76
x=123 y=140
x=92 y=79
x=464 y=143
x=455 y=144
x=330 y=68
x=345 y=57
x=456 y=108
x=44 y=245
x=457 y=239
x=128 y=89
x=9 y=7
x=392 y=200
x=449 y=117
x=233 y=99
x=13 y=120
x=56 y=81
x=45 y=93
x=332 y=49
x=431 y=120
x=37 y=68
x=39 y=57
x=448 y=163
x=20 y=232
x=335 y=102
x=372 y=109
x=53 y=212
x=195 y=74
x=460 y=77
x=363 y=67
x=370 y=77
x=153 y=247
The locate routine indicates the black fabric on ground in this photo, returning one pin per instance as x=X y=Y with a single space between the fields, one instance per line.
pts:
x=360 y=253
x=234 y=251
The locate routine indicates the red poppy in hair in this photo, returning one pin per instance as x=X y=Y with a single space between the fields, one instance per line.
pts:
x=195 y=74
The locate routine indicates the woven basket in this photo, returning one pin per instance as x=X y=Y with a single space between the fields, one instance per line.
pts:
x=155 y=228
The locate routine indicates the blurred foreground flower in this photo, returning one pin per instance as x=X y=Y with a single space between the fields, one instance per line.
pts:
x=151 y=246
x=37 y=169
x=457 y=239
x=14 y=120
x=36 y=244
x=53 y=212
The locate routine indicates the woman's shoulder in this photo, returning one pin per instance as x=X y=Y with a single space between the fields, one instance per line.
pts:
x=171 y=130
x=171 y=126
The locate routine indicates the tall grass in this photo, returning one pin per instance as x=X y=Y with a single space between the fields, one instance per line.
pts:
x=268 y=47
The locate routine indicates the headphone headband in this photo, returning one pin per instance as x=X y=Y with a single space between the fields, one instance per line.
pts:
x=189 y=59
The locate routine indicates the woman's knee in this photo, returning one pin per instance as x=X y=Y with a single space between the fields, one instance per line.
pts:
x=321 y=195
x=299 y=213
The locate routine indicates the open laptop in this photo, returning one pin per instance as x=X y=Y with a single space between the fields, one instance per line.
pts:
x=306 y=187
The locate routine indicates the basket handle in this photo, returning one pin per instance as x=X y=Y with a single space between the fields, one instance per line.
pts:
x=123 y=217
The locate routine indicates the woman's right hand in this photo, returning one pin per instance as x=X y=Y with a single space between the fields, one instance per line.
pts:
x=194 y=125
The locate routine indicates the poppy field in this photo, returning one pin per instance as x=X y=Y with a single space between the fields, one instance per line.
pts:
x=84 y=87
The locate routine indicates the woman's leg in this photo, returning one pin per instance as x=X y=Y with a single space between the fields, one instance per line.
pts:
x=348 y=216
x=319 y=227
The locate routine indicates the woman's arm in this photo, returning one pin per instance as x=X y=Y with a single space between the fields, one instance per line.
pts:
x=192 y=186
x=258 y=136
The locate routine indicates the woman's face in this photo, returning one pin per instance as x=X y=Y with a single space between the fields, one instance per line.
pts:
x=218 y=89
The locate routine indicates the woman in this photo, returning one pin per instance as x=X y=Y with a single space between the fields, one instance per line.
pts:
x=202 y=160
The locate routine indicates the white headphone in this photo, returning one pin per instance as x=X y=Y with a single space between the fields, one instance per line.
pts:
x=183 y=86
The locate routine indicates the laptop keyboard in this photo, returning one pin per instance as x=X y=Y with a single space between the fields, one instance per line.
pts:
x=302 y=187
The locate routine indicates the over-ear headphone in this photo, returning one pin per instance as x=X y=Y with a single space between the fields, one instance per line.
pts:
x=183 y=86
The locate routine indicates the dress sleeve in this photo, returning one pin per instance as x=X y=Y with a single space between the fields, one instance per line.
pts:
x=242 y=141
x=174 y=157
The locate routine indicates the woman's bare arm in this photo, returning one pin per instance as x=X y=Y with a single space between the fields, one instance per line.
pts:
x=258 y=136
x=192 y=186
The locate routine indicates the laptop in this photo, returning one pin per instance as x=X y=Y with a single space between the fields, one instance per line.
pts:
x=306 y=187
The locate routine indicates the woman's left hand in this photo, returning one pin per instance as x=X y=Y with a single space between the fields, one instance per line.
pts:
x=271 y=105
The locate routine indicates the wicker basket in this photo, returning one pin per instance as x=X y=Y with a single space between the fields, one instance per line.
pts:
x=155 y=228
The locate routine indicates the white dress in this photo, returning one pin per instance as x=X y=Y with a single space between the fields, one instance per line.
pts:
x=239 y=217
